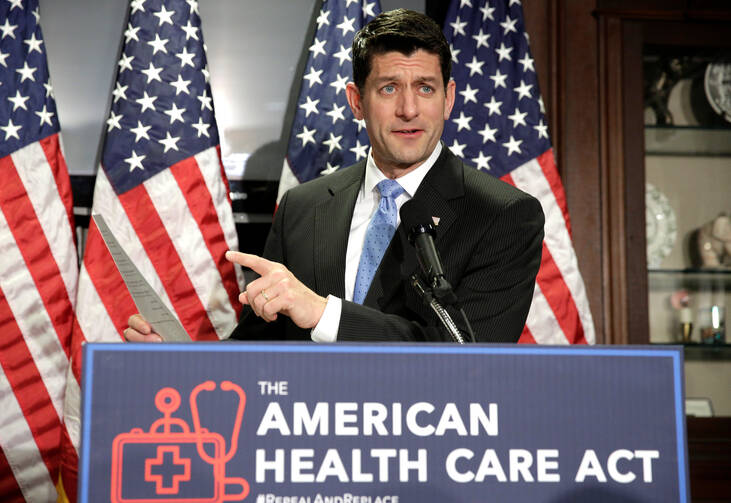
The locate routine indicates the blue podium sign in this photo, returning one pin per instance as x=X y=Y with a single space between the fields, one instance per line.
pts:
x=353 y=423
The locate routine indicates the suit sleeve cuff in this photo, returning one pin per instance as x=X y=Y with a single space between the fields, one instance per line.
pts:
x=326 y=329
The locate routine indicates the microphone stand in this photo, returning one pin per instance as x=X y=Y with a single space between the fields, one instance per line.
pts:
x=429 y=298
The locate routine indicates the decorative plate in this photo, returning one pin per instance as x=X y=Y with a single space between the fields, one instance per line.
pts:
x=717 y=84
x=661 y=226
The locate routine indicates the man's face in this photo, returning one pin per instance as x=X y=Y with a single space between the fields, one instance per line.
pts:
x=404 y=105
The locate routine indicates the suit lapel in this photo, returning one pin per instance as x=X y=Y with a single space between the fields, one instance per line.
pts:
x=443 y=183
x=332 y=229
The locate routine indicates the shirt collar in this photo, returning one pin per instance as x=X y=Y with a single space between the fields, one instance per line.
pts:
x=410 y=181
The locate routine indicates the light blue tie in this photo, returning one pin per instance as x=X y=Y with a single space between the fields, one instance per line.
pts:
x=378 y=236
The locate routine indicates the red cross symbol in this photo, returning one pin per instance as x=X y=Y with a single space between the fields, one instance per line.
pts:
x=168 y=459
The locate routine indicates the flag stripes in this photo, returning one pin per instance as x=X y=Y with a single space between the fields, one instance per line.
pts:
x=559 y=275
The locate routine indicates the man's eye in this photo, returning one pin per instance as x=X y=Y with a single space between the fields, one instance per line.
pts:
x=388 y=89
x=427 y=89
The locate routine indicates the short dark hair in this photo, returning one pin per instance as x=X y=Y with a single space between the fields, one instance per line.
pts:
x=399 y=30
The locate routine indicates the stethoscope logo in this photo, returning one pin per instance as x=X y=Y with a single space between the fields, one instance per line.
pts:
x=160 y=465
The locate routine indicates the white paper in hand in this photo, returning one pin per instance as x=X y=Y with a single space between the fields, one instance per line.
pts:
x=149 y=304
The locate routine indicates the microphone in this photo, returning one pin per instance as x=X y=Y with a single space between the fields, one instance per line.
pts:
x=421 y=232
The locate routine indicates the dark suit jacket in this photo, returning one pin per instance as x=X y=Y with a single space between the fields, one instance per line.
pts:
x=489 y=237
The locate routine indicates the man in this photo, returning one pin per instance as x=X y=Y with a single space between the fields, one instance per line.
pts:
x=320 y=254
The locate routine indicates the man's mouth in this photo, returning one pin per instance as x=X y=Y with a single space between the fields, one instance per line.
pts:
x=408 y=132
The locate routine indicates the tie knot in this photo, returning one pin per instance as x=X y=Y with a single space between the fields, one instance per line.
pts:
x=390 y=188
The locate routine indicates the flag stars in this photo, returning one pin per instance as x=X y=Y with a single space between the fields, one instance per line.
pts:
x=310 y=106
x=509 y=25
x=180 y=85
x=131 y=33
x=190 y=31
x=359 y=150
x=193 y=6
x=175 y=114
x=475 y=66
x=8 y=29
x=455 y=53
x=482 y=161
x=360 y=123
x=18 y=101
x=49 y=89
x=465 y=3
x=164 y=16
x=481 y=39
x=169 y=142
x=542 y=129
x=347 y=25
x=333 y=143
x=313 y=77
x=469 y=94
x=146 y=101
x=493 y=106
x=137 y=5
x=457 y=148
x=343 y=54
x=518 y=118
x=340 y=83
x=463 y=122
x=527 y=63
x=112 y=121
x=26 y=72
x=488 y=134
x=186 y=58
x=307 y=135
x=513 y=146
x=11 y=130
x=336 y=113
x=458 y=27
x=205 y=101
x=140 y=131
x=3 y=57
x=499 y=79
x=322 y=19
x=368 y=9
x=158 y=44
x=135 y=161
x=487 y=12
x=318 y=47
x=125 y=63
x=34 y=44
x=153 y=73
x=16 y=4
x=504 y=52
x=202 y=128
x=37 y=14
x=329 y=169
x=523 y=90
x=120 y=91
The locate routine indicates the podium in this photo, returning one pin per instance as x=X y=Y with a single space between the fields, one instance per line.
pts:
x=357 y=423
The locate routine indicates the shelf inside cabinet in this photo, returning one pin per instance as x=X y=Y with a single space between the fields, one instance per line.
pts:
x=688 y=141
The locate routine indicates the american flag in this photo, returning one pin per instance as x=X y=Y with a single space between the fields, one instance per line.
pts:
x=39 y=262
x=498 y=125
x=161 y=189
x=325 y=136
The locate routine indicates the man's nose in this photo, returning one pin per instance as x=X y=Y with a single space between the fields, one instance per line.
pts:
x=408 y=106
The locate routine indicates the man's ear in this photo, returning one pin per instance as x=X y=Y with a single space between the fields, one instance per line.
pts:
x=449 y=101
x=354 y=100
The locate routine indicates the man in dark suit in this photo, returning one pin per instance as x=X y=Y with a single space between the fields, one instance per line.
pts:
x=314 y=280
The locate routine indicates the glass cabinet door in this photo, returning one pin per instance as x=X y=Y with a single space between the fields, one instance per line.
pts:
x=688 y=214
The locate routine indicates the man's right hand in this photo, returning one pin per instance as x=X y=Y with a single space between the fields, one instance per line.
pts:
x=140 y=331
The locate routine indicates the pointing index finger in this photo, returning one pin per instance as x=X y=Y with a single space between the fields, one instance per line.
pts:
x=257 y=264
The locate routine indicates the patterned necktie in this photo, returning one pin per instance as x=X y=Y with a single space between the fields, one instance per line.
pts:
x=378 y=236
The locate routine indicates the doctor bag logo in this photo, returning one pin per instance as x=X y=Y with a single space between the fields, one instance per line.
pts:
x=170 y=463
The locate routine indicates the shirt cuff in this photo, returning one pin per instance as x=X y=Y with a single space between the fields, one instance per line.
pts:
x=326 y=329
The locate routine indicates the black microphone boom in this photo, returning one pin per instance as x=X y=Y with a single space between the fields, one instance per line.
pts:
x=421 y=231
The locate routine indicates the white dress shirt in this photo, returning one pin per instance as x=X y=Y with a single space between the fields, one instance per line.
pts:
x=366 y=205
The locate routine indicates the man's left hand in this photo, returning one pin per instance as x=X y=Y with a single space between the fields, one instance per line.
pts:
x=278 y=291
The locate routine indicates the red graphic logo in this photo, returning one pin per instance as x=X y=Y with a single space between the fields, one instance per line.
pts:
x=170 y=463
